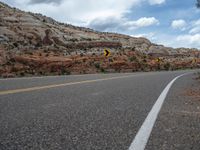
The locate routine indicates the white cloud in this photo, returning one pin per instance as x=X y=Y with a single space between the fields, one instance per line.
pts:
x=195 y=27
x=189 y=40
x=196 y=23
x=142 y=22
x=79 y=11
x=151 y=36
x=195 y=30
x=119 y=23
x=156 y=2
x=179 y=24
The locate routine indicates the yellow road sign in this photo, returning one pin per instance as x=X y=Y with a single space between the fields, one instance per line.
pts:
x=106 y=53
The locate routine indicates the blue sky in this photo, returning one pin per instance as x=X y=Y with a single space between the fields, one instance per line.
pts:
x=174 y=23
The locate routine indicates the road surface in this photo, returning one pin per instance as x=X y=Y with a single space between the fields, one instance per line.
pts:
x=97 y=112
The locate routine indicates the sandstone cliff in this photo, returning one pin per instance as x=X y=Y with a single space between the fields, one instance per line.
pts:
x=33 y=44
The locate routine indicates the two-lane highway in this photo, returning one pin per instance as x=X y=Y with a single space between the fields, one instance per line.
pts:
x=85 y=112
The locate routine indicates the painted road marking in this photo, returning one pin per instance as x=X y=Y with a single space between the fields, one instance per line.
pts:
x=59 y=85
x=56 y=76
x=144 y=132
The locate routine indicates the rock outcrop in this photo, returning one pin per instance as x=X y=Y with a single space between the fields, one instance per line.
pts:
x=33 y=44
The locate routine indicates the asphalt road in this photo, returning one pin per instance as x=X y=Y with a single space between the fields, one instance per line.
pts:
x=93 y=112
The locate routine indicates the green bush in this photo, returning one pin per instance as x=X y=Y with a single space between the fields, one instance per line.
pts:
x=22 y=74
x=167 y=66
x=102 y=70
x=65 y=71
x=133 y=58
x=97 y=65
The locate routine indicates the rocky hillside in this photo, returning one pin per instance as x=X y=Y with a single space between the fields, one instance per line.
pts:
x=33 y=44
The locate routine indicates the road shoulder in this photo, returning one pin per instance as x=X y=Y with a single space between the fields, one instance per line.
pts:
x=177 y=126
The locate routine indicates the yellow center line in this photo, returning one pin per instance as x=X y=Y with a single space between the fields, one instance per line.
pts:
x=58 y=85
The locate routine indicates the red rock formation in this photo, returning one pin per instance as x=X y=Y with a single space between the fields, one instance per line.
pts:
x=47 y=40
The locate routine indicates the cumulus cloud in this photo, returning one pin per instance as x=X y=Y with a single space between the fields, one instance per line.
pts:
x=151 y=36
x=90 y=13
x=189 y=40
x=156 y=2
x=179 y=24
x=192 y=37
x=106 y=24
x=79 y=12
x=196 y=23
x=143 y=22
x=120 y=23
x=195 y=30
x=195 y=27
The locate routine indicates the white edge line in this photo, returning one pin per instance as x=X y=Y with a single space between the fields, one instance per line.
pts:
x=142 y=136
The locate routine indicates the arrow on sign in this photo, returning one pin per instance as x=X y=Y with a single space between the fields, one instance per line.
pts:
x=106 y=53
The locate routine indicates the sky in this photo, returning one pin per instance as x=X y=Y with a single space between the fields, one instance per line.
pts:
x=174 y=23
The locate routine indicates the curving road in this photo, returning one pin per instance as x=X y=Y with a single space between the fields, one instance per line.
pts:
x=95 y=112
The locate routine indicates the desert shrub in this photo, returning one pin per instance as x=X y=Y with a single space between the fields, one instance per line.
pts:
x=97 y=65
x=102 y=70
x=91 y=63
x=45 y=51
x=158 y=67
x=15 y=44
x=12 y=60
x=145 y=56
x=81 y=54
x=28 y=53
x=73 y=40
x=117 y=70
x=89 y=39
x=167 y=66
x=144 y=60
x=41 y=73
x=84 y=60
x=39 y=44
x=133 y=58
x=22 y=74
x=65 y=72
x=133 y=49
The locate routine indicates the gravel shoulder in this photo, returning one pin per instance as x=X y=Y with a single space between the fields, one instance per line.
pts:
x=177 y=127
